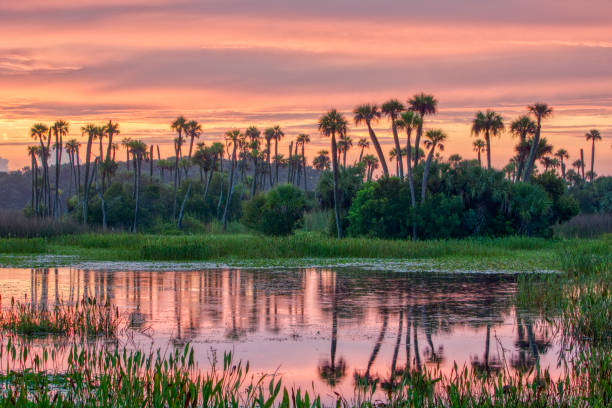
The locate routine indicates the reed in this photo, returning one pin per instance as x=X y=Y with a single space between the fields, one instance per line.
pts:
x=83 y=319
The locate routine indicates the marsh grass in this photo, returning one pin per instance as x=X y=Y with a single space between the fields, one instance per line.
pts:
x=585 y=226
x=300 y=245
x=14 y=224
x=83 y=319
x=103 y=377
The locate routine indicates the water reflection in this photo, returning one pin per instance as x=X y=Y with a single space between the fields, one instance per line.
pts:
x=330 y=327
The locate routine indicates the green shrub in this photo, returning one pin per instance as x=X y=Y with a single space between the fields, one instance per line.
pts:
x=277 y=212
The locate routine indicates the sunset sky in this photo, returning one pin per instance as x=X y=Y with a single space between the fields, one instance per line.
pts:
x=239 y=63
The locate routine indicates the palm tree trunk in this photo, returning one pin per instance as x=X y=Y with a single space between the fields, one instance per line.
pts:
x=78 y=175
x=212 y=170
x=176 y=161
x=334 y=149
x=417 y=141
x=254 y=184
x=269 y=163
x=137 y=188
x=488 y=141
x=304 y=169
x=220 y=189
x=361 y=154
x=582 y=163
x=381 y=156
x=58 y=161
x=399 y=150
x=479 y=161
x=230 y=189
x=592 y=160
x=410 y=179
x=426 y=173
x=532 y=152
x=33 y=180
x=276 y=160
x=180 y=217
x=86 y=185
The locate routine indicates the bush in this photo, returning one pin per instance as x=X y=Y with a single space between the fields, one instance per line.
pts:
x=278 y=212
x=461 y=201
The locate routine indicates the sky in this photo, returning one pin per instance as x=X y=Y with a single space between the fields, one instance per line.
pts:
x=238 y=63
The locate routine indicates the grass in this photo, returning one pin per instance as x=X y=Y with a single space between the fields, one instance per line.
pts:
x=585 y=226
x=513 y=253
x=15 y=224
x=84 y=318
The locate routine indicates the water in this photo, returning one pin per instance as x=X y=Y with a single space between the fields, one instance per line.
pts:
x=315 y=327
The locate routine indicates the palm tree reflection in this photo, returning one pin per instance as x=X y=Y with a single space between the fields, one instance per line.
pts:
x=333 y=371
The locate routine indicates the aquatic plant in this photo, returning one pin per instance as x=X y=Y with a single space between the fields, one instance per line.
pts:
x=86 y=317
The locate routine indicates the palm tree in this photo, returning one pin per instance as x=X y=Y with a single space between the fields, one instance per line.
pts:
x=549 y=162
x=110 y=129
x=522 y=127
x=269 y=135
x=139 y=151
x=578 y=165
x=344 y=145
x=333 y=370
x=392 y=108
x=540 y=111
x=408 y=121
x=60 y=128
x=89 y=129
x=179 y=126
x=302 y=139
x=366 y=114
x=363 y=144
x=254 y=136
x=72 y=148
x=583 y=163
x=489 y=124
x=321 y=161
x=331 y=124
x=593 y=135
x=562 y=155
x=433 y=138
x=479 y=146
x=125 y=142
x=234 y=137
x=371 y=163
x=32 y=152
x=423 y=105
x=277 y=135
x=393 y=153
x=40 y=131
x=193 y=129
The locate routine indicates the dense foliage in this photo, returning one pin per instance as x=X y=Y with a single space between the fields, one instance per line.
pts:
x=277 y=212
x=462 y=200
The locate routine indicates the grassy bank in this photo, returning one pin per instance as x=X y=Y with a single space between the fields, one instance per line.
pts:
x=511 y=252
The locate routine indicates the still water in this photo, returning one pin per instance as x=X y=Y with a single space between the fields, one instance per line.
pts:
x=314 y=327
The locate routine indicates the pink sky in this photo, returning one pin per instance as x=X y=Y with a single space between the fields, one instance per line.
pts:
x=239 y=63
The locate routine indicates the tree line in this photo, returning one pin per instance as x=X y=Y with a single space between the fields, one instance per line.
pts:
x=254 y=159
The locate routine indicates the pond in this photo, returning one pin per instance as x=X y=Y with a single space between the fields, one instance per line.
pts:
x=321 y=327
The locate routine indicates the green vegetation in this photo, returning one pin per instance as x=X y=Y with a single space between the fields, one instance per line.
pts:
x=513 y=253
x=239 y=180
x=277 y=212
x=84 y=318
